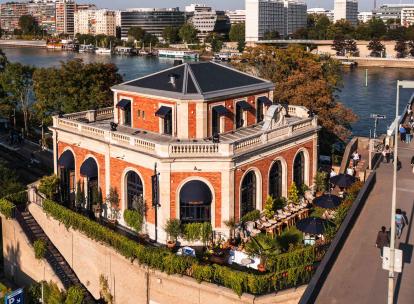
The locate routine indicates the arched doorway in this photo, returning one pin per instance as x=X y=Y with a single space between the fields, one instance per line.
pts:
x=299 y=170
x=134 y=191
x=195 y=202
x=248 y=193
x=275 y=179
x=89 y=170
x=66 y=173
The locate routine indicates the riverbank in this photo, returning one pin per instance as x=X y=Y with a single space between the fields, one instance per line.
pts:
x=23 y=43
x=406 y=63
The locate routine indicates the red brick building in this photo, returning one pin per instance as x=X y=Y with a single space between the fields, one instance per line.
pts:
x=219 y=143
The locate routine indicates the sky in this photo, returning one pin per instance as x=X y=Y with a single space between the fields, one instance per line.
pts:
x=364 y=5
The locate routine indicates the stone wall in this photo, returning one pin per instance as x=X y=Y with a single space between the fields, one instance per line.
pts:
x=135 y=284
x=20 y=264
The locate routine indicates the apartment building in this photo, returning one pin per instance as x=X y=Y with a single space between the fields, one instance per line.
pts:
x=346 y=10
x=10 y=14
x=95 y=22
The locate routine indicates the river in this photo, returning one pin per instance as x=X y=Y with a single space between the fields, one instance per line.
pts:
x=377 y=97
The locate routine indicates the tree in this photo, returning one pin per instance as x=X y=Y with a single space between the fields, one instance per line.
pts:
x=305 y=79
x=237 y=32
x=401 y=48
x=377 y=28
x=376 y=48
x=339 y=45
x=17 y=84
x=150 y=39
x=8 y=181
x=136 y=32
x=216 y=42
x=351 y=47
x=86 y=86
x=271 y=35
x=341 y=28
x=170 y=34
x=28 y=25
x=300 y=33
x=188 y=33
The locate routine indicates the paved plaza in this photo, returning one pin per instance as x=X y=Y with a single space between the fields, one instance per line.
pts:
x=357 y=275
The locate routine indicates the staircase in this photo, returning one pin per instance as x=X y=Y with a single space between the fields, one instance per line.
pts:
x=58 y=263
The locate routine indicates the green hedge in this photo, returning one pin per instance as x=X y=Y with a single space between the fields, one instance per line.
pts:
x=166 y=261
x=19 y=198
x=6 y=208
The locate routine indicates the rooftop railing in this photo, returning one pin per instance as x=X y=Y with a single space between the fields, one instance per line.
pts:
x=78 y=123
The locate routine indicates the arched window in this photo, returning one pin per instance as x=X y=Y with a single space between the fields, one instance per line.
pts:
x=195 y=202
x=66 y=164
x=248 y=193
x=89 y=170
x=275 y=180
x=299 y=170
x=134 y=190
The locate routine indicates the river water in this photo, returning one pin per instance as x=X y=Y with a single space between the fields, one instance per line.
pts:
x=377 y=97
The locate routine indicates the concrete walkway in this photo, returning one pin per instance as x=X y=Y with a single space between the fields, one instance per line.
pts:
x=357 y=275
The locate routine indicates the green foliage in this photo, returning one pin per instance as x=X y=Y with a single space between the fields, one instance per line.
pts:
x=340 y=214
x=8 y=181
x=49 y=186
x=136 y=32
x=40 y=248
x=321 y=181
x=52 y=294
x=251 y=216
x=6 y=208
x=105 y=292
x=261 y=245
x=282 y=262
x=269 y=210
x=216 y=42
x=80 y=195
x=231 y=224
x=197 y=232
x=170 y=34
x=87 y=86
x=173 y=228
x=75 y=295
x=164 y=260
x=290 y=237
x=376 y=48
x=270 y=35
x=237 y=32
x=112 y=200
x=293 y=193
x=317 y=212
x=279 y=203
x=188 y=33
x=28 y=25
x=134 y=219
x=401 y=48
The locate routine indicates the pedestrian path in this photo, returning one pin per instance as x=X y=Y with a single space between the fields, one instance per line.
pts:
x=357 y=275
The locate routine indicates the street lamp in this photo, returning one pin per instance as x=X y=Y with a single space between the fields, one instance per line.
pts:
x=404 y=84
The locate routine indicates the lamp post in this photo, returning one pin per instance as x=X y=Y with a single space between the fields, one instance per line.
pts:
x=405 y=84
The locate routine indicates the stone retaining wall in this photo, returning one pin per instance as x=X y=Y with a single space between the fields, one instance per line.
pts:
x=135 y=284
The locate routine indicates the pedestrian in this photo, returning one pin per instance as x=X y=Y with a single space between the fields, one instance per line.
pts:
x=350 y=170
x=383 y=240
x=407 y=134
x=355 y=158
x=386 y=153
x=400 y=221
x=402 y=132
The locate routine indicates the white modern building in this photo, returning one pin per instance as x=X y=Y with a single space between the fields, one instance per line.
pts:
x=364 y=16
x=95 y=22
x=321 y=11
x=206 y=20
x=391 y=11
x=263 y=16
x=236 y=16
x=346 y=10
x=407 y=16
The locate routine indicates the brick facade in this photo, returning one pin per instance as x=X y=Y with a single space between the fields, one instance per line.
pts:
x=192 y=120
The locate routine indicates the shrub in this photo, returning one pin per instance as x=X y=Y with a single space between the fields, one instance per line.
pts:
x=39 y=248
x=251 y=216
x=173 y=229
x=261 y=245
x=18 y=198
x=268 y=208
x=291 y=236
x=279 y=203
x=134 y=219
x=75 y=295
x=49 y=186
x=6 y=208
x=197 y=232
x=320 y=181
x=318 y=212
x=293 y=193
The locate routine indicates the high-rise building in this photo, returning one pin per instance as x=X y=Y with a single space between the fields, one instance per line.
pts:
x=152 y=20
x=265 y=16
x=44 y=13
x=407 y=16
x=10 y=14
x=84 y=22
x=321 y=11
x=206 y=20
x=391 y=11
x=237 y=16
x=105 y=22
x=346 y=10
x=65 y=10
x=95 y=22
x=364 y=16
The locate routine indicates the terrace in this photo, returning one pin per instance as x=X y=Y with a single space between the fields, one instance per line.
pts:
x=97 y=125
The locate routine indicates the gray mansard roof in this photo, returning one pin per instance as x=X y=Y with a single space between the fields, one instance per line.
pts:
x=197 y=81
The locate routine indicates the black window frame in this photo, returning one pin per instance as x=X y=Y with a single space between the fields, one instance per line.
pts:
x=299 y=170
x=239 y=113
x=134 y=187
x=276 y=179
x=248 y=193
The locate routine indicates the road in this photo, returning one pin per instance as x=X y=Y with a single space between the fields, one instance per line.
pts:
x=357 y=275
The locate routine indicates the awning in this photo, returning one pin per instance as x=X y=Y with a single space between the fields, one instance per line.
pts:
x=66 y=160
x=220 y=110
x=244 y=105
x=163 y=111
x=195 y=192
x=266 y=101
x=89 y=168
x=124 y=104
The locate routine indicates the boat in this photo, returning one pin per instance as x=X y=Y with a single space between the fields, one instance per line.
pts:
x=123 y=50
x=222 y=56
x=86 y=48
x=178 y=54
x=349 y=63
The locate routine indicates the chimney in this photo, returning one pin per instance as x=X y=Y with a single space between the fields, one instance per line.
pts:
x=177 y=62
x=172 y=77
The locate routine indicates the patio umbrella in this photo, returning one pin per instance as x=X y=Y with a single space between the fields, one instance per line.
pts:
x=343 y=180
x=313 y=225
x=327 y=201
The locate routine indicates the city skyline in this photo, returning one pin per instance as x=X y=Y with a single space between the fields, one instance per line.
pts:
x=366 y=5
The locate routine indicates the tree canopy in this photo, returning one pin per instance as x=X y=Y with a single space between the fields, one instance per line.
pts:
x=170 y=34
x=188 y=33
x=86 y=86
x=8 y=181
x=237 y=32
x=302 y=78
x=28 y=25
x=136 y=32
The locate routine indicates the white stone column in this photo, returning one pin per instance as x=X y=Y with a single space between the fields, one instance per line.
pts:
x=55 y=152
x=201 y=120
x=116 y=118
x=108 y=168
x=164 y=169
x=182 y=120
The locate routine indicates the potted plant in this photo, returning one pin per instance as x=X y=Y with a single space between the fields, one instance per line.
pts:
x=113 y=201
x=97 y=206
x=293 y=194
x=231 y=224
x=320 y=182
x=260 y=246
x=173 y=230
x=80 y=197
